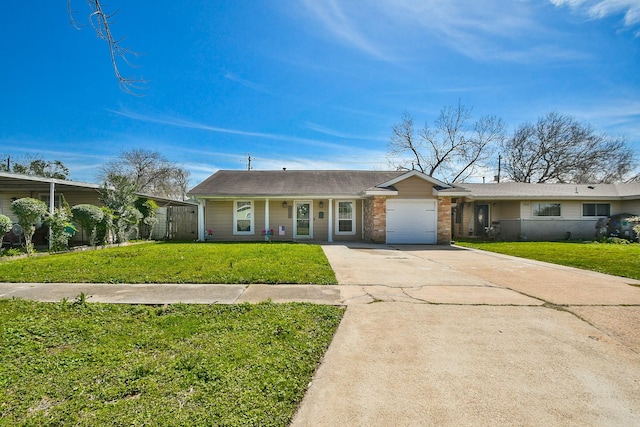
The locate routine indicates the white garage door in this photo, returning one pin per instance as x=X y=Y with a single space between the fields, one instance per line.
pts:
x=411 y=221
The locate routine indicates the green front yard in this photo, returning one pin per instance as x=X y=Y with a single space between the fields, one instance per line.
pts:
x=178 y=263
x=617 y=259
x=74 y=363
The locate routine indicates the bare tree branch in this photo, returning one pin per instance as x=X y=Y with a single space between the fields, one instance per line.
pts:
x=559 y=149
x=150 y=171
x=451 y=149
x=101 y=23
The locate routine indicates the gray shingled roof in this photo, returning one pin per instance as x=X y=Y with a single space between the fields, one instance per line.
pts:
x=291 y=183
x=518 y=190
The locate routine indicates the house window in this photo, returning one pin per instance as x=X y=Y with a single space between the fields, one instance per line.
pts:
x=243 y=217
x=547 y=209
x=345 y=213
x=45 y=198
x=596 y=209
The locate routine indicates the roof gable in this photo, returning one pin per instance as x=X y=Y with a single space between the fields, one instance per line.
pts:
x=410 y=174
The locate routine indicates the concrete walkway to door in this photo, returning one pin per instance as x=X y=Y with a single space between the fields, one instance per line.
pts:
x=451 y=336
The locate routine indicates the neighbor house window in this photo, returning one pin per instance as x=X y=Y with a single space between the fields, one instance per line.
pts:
x=346 y=217
x=547 y=209
x=45 y=198
x=596 y=209
x=243 y=217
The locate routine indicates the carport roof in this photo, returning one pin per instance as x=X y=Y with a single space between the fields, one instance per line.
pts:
x=22 y=183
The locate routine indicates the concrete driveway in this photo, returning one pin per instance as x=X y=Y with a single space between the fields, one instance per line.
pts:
x=451 y=336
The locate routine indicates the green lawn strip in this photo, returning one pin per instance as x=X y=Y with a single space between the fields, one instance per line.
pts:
x=178 y=263
x=72 y=363
x=616 y=259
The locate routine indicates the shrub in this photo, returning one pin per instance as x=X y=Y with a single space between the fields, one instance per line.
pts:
x=61 y=229
x=5 y=226
x=30 y=213
x=105 y=228
x=147 y=208
x=89 y=216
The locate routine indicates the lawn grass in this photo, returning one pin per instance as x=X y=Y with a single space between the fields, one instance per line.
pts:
x=75 y=363
x=616 y=259
x=178 y=263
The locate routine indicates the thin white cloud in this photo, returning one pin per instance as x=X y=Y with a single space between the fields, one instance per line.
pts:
x=244 y=82
x=598 y=9
x=338 y=134
x=391 y=29
x=334 y=16
x=183 y=123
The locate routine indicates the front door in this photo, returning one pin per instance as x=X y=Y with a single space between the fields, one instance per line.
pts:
x=302 y=222
x=482 y=220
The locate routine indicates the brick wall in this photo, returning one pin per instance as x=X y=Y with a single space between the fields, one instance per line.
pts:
x=444 y=220
x=375 y=219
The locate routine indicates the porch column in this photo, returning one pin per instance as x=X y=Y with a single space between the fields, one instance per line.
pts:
x=330 y=225
x=201 y=220
x=266 y=215
x=52 y=207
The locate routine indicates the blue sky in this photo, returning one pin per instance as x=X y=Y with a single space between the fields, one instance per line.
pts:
x=307 y=84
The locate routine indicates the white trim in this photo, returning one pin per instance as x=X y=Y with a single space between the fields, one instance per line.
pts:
x=251 y=218
x=295 y=219
x=266 y=214
x=329 y=228
x=201 y=204
x=380 y=192
x=354 y=209
x=451 y=193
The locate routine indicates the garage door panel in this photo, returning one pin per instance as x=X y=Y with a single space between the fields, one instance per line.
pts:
x=411 y=221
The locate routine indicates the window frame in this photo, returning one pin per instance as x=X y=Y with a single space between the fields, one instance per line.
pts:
x=57 y=200
x=538 y=204
x=251 y=231
x=354 y=207
x=596 y=205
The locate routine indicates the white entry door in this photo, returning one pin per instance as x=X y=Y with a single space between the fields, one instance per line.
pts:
x=412 y=221
x=303 y=220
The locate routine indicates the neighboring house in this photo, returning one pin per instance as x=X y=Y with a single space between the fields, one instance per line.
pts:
x=519 y=211
x=177 y=219
x=354 y=206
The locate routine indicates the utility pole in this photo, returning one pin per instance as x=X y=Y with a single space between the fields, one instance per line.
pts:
x=497 y=177
x=248 y=162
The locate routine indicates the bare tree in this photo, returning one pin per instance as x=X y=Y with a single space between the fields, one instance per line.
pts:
x=559 y=149
x=452 y=149
x=101 y=23
x=151 y=172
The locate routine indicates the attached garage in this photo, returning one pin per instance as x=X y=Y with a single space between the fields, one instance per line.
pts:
x=412 y=221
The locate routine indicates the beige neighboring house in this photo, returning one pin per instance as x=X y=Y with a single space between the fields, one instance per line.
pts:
x=177 y=219
x=519 y=211
x=394 y=207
